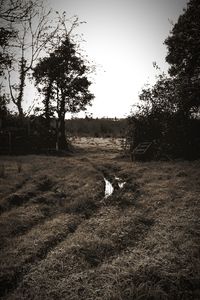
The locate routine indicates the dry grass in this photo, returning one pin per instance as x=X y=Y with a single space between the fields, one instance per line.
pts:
x=62 y=240
x=2 y=170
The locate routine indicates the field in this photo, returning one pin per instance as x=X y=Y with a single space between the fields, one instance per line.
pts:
x=61 y=238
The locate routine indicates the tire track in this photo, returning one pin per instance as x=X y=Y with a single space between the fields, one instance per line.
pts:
x=38 y=248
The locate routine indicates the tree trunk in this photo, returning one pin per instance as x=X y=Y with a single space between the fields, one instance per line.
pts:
x=62 y=143
x=20 y=109
x=21 y=87
x=47 y=105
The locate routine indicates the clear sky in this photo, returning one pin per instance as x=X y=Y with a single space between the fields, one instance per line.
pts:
x=124 y=37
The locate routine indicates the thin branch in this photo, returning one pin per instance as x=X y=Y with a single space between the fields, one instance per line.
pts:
x=10 y=88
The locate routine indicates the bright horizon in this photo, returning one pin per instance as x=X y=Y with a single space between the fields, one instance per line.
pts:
x=124 y=38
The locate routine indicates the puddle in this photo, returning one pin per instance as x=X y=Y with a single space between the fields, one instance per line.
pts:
x=120 y=182
x=109 y=189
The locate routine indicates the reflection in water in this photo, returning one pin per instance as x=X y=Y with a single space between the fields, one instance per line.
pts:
x=120 y=182
x=108 y=188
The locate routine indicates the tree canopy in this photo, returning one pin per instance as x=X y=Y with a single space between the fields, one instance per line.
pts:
x=65 y=85
x=183 y=55
x=168 y=112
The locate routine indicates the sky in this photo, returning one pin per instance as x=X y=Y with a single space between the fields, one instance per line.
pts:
x=123 y=38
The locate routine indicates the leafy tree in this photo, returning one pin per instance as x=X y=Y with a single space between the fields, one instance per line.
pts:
x=184 y=57
x=169 y=112
x=63 y=76
x=161 y=97
x=3 y=109
x=159 y=118
x=155 y=110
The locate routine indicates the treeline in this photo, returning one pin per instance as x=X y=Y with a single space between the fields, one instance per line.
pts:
x=168 y=114
x=30 y=134
x=90 y=127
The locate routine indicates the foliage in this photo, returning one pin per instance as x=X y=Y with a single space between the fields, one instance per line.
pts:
x=168 y=113
x=184 y=56
x=3 y=106
x=25 y=136
x=26 y=35
x=160 y=120
x=65 y=85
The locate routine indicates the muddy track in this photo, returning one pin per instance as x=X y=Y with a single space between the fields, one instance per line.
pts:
x=68 y=241
x=38 y=197
x=106 y=253
x=9 y=283
x=27 y=191
x=95 y=256
x=94 y=259
x=31 y=192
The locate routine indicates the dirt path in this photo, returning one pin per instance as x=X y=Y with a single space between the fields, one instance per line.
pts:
x=61 y=239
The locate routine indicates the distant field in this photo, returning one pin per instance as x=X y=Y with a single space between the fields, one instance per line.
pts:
x=62 y=239
x=91 y=143
x=90 y=127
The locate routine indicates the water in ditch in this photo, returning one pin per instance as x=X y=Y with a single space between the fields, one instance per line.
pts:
x=109 y=189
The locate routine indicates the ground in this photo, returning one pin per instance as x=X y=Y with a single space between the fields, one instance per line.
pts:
x=62 y=239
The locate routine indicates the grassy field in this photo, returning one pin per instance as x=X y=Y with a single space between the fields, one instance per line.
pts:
x=61 y=239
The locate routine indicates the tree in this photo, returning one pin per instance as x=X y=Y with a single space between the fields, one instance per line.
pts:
x=13 y=11
x=63 y=76
x=154 y=112
x=159 y=119
x=5 y=60
x=44 y=78
x=183 y=46
x=161 y=97
x=169 y=112
x=32 y=33
x=10 y=12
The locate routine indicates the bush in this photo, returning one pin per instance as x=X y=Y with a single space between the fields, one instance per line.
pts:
x=159 y=119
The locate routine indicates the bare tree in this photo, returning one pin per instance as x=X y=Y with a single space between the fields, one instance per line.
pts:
x=32 y=34
x=10 y=12
x=13 y=11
